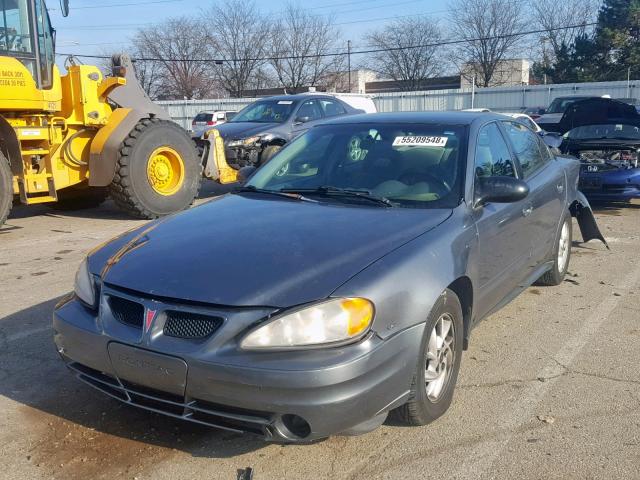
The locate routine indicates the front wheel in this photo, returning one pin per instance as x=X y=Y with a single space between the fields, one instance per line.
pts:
x=158 y=172
x=437 y=370
x=561 y=255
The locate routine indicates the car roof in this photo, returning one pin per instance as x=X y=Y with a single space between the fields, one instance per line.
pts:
x=453 y=118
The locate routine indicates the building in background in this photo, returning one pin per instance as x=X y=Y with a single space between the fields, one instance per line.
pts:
x=435 y=83
x=509 y=73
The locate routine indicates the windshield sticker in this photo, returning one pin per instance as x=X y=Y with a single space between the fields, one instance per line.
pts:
x=420 y=141
x=285 y=102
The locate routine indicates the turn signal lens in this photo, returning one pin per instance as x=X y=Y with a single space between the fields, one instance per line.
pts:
x=333 y=321
x=360 y=312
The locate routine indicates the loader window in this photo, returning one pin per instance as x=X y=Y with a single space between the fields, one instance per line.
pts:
x=45 y=45
x=15 y=32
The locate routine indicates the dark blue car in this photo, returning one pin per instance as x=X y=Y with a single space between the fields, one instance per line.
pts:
x=604 y=135
x=340 y=284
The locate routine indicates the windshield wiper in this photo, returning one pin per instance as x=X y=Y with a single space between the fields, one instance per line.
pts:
x=342 y=192
x=279 y=193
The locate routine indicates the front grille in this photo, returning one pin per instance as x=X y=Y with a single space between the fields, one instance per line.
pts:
x=127 y=311
x=190 y=325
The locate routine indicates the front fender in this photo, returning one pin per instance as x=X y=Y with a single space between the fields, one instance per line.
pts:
x=581 y=210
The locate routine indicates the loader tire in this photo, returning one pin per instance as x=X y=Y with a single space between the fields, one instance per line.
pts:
x=6 y=189
x=80 y=198
x=158 y=170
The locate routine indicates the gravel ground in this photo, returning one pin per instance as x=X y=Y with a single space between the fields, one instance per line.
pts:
x=550 y=387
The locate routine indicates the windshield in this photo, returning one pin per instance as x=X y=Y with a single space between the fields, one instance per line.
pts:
x=266 y=111
x=609 y=131
x=410 y=165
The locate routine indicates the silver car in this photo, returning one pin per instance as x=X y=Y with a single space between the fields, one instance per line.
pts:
x=207 y=119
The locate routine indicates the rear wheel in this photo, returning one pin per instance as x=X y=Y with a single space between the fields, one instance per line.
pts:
x=437 y=370
x=158 y=172
x=6 y=189
x=561 y=255
x=80 y=198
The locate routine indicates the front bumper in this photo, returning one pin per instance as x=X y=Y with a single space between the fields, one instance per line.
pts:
x=294 y=396
x=617 y=185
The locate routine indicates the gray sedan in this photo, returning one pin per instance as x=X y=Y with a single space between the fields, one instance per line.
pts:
x=339 y=284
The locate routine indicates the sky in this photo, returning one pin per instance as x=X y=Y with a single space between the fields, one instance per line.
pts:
x=105 y=26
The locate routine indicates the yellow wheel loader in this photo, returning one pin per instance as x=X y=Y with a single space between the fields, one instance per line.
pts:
x=74 y=139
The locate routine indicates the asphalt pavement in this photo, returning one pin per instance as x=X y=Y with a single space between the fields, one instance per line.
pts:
x=549 y=389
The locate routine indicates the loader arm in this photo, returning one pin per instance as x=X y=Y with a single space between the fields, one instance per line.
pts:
x=124 y=90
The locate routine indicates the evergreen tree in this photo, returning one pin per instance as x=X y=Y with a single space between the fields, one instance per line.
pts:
x=609 y=52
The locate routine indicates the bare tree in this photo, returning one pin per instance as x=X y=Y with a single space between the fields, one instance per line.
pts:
x=410 y=54
x=488 y=30
x=180 y=56
x=300 y=44
x=549 y=15
x=239 y=35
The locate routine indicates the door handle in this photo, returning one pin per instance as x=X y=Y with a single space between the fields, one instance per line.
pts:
x=560 y=187
x=526 y=211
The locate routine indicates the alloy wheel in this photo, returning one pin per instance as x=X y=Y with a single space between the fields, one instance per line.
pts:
x=440 y=357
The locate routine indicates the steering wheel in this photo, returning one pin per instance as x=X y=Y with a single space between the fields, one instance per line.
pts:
x=411 y=177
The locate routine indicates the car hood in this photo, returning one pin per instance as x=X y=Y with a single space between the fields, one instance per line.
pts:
x=252 y=250
x=238 y=130
x=598 y=111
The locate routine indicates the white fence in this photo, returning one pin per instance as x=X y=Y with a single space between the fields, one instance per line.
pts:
x=501 y=99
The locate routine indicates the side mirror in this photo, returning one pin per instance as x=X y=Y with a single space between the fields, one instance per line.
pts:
x=300 y=120
x=543 y=111
x=552 y=140
x=500 y=190
x=245 y=173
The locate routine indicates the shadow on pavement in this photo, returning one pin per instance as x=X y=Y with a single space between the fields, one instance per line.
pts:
x=72 y=421
x=107 y=211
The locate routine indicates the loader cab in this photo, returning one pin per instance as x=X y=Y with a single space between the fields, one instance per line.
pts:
x=26 y=34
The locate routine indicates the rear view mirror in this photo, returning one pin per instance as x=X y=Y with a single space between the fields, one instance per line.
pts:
x=500 y=190
x=302 y=119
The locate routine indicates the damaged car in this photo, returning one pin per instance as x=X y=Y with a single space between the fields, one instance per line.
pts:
x=262 y=128
x=604 y=135
x=339 y=284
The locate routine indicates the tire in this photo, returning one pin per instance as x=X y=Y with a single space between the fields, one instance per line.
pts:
x=429 y=401
x=80 y=198
x=6 y=189
x=269 y=152
x=132 y=189
x=556 y=275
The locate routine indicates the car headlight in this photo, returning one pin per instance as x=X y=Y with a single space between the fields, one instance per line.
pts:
x=84 y=287
x=245 y=142
x=333 y=321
